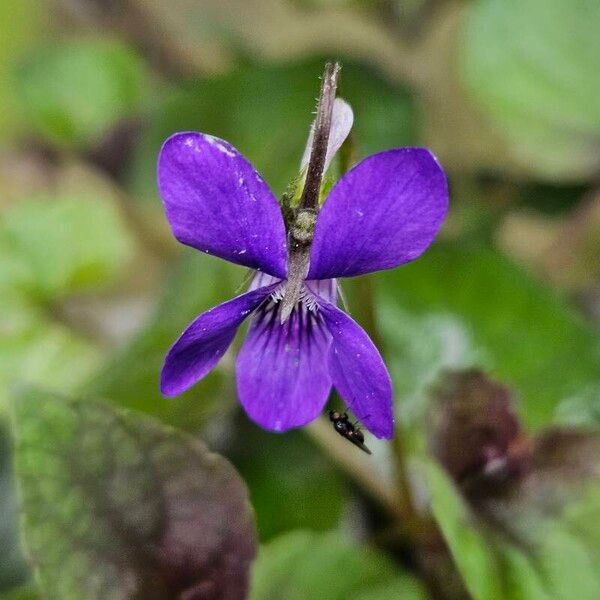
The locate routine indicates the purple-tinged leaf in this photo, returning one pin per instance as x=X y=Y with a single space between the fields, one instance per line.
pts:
x=116 y=505
x=501 y=471
x=529 y=502
x=475 y=433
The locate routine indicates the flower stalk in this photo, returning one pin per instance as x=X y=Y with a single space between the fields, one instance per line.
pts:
x=318 y=153
x=304 y=218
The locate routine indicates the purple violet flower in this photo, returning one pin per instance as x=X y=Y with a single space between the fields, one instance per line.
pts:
x=383 y=212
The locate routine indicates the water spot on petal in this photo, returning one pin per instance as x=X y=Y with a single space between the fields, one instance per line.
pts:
x=216 y=143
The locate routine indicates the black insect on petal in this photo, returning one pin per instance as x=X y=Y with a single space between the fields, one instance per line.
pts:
x=341 y=423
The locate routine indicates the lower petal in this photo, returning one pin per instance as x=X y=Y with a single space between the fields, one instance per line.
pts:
x=206 y=339
x=282 y=375
x=359 y=373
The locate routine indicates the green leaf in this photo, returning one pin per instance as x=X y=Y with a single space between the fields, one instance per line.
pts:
x=581 y=409
x=470 y=550
x=74 y=91
x=26 y=592
x=51 y=248
x=22 y=24
x=534 y=567
x=293 y=486
x=117 y=505
x=533 y=66
x=485 y=311
x=327 y=566
x=13 y=568
x=420 y=347
x=559 y=560
x=131 y=377
x=64 y=245
x=35 y=349
x=576 y=577
x=266 y=113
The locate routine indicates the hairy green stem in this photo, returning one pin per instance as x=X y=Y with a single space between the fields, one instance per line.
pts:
x=318 y=153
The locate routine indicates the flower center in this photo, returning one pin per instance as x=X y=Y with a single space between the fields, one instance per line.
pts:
x=305 y=297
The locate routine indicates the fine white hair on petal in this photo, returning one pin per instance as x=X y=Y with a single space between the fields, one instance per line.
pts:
x=311 y=291
x=342 y=119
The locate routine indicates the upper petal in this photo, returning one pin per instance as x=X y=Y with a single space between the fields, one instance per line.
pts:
x=384 y=212
x=205 y=340
x=282 y=375
x=359 y=373
x=215 y=201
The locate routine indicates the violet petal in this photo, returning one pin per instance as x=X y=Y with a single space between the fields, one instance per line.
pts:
x=205 y=340
x=282 y=375
x=359 y=373
x=382 y=213
x=215 y=201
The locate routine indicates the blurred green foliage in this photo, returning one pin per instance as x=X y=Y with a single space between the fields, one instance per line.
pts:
x=13 y=568
x=35 y=348
x=73 y=92
x=23 y=24
x=25 y=592
x=67 y=245
x=53 y=248
x=533 y=66
x=308 y=565
x=264 y=111
x=131 y=376
x=479 y=309
x=293 y=485
x=496 y=565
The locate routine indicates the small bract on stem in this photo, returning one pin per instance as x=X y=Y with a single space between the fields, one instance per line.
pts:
x=303 y=219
